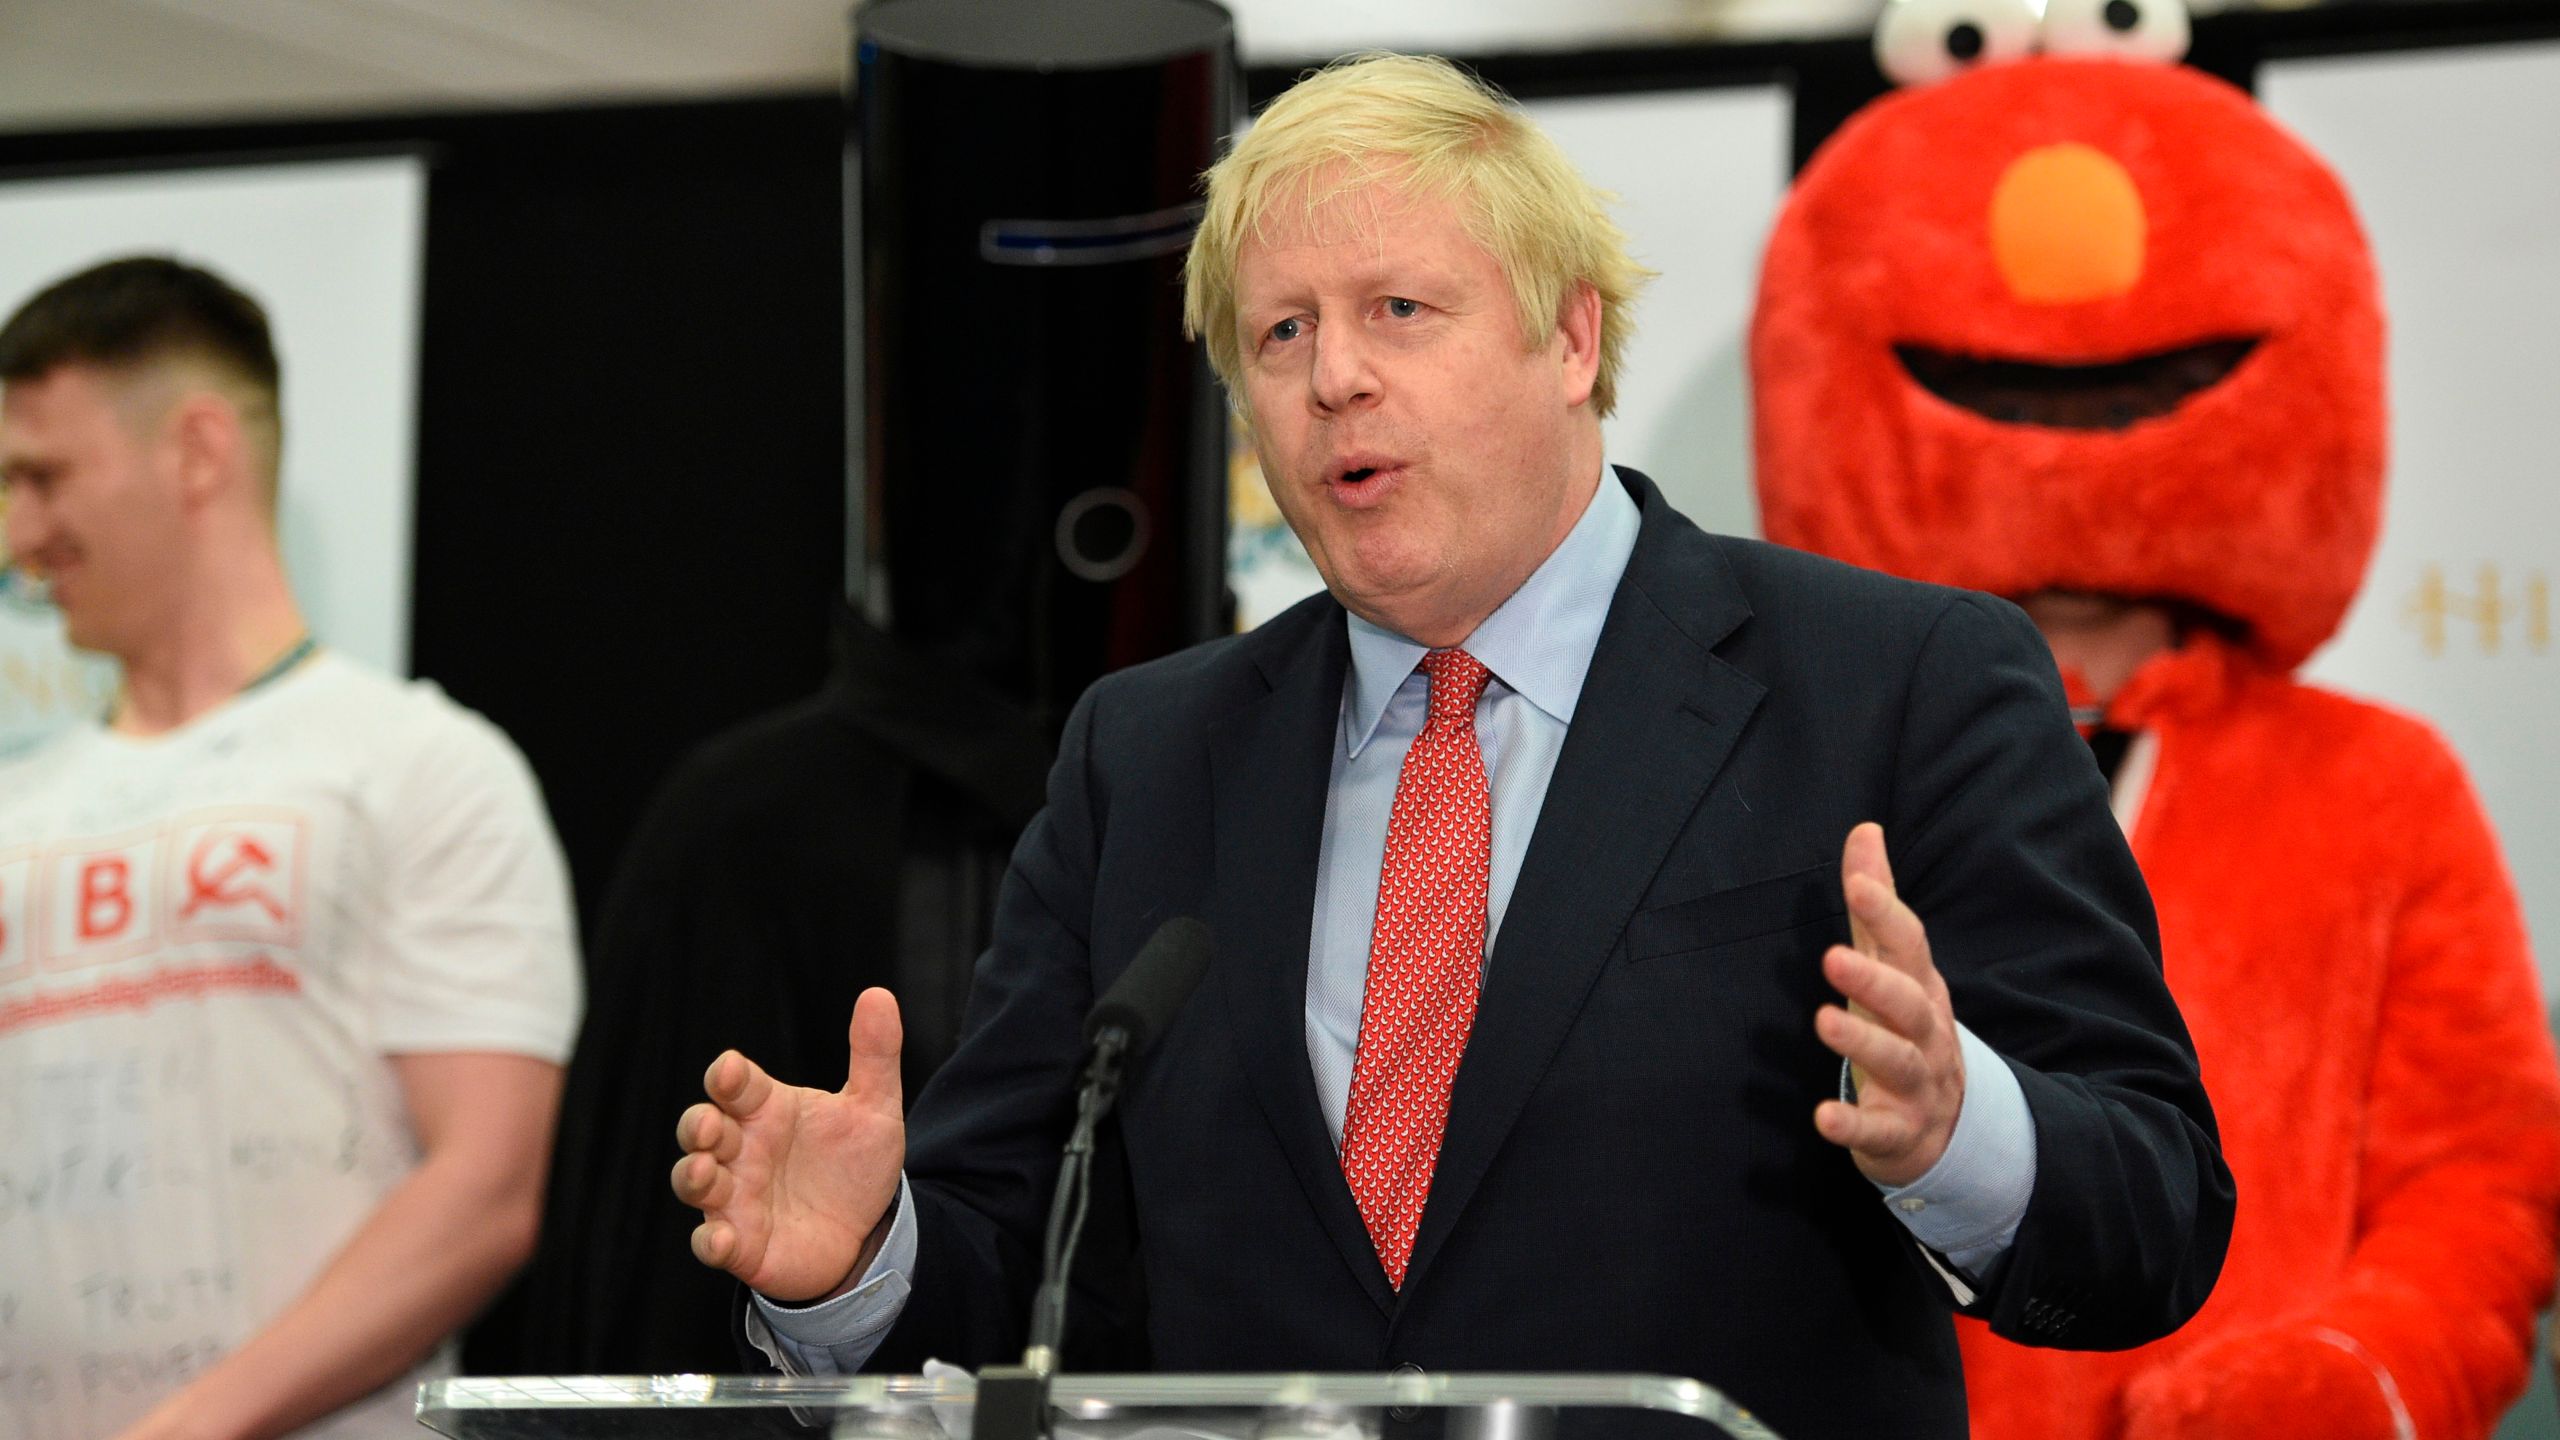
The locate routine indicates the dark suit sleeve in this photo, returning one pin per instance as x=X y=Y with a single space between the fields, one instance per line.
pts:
x=984 y=1139
x=2003 y=843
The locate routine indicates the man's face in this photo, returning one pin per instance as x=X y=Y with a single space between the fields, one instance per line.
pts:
x=92 y=505
x=1425 y=455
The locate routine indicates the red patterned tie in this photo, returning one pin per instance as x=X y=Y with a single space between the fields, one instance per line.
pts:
x=1425 y=958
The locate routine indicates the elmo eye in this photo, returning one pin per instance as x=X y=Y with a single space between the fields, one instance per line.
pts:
x=2154 y=30
x=1919 y=42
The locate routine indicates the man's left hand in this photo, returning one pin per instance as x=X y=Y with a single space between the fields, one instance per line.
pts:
x=1898 y=1031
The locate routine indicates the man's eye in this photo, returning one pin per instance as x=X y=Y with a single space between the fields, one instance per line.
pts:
x=1286 y=330
x=1402 y=308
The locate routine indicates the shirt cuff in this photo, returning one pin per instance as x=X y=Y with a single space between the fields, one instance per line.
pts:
x=1968 y=1206
x=835 y=1337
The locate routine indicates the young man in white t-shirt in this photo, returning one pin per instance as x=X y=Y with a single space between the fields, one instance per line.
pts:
x=287 y=974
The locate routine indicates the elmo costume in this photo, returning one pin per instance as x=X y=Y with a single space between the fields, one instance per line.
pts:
x=2076 y=325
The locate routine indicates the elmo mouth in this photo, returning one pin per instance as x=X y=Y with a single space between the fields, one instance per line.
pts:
x=2115 y=395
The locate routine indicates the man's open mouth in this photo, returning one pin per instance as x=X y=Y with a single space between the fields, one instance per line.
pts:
x=2114 y=395
x=1353 y=471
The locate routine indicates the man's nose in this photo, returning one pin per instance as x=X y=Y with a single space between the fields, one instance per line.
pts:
x=1344 y=378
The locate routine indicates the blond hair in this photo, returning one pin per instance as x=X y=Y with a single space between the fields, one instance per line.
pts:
x=1437 y=132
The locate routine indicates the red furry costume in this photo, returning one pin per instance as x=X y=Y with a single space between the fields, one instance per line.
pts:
x=2186 y=372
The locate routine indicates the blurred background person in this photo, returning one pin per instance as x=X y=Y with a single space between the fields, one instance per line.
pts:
x=2123 y=363
x=856 y=837
x=280 y=1054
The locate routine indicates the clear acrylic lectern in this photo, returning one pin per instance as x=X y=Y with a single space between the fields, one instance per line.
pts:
x=1090 y=1407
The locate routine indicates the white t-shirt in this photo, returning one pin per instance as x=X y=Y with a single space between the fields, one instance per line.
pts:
x=210 y=941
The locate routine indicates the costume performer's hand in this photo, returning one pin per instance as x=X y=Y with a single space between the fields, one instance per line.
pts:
x=1898 y=1032
x=2281 y=1384
x=796 y=1185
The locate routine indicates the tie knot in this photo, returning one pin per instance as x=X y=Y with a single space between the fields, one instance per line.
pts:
x=1457 y=683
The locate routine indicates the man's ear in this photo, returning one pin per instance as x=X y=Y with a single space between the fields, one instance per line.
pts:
x=1578 y=338
x=206 y=440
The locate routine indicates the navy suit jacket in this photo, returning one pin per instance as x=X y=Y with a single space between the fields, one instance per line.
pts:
x=1630 y=1179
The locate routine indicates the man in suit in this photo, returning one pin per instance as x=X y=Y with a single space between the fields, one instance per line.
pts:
x=1524 y=1046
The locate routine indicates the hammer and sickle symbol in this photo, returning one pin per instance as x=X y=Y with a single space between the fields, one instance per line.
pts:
x=231 y=882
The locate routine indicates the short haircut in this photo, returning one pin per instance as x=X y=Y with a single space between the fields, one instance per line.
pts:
x=1436 y=132
x=124 y=315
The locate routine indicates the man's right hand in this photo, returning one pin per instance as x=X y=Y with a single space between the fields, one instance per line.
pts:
x=795 y=1185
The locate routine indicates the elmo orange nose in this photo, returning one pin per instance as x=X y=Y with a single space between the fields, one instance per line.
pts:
x=2067 y=225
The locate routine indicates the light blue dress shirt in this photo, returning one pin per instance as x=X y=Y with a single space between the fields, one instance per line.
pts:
x=1539 y=646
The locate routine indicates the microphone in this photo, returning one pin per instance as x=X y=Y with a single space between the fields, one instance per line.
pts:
x=1013 y=1401
x=1143 y=1000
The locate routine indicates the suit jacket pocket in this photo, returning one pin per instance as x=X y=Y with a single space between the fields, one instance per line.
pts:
x=1741 y=912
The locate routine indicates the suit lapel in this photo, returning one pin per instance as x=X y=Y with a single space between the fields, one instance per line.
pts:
x=1269 y=766
x=1658 y=715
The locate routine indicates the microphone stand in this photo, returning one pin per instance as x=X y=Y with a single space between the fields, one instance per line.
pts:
x=1013 y=1400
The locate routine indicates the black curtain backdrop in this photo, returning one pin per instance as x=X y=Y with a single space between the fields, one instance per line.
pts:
x=631 y=499
x=631 y=418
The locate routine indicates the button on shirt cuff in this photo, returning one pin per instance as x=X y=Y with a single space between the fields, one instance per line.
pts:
x=835 y=1337
x=1969 y=1205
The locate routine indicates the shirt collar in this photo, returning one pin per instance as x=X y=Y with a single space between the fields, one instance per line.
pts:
x=1538 y=643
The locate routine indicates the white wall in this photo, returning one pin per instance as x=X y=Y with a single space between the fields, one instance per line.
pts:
x=2448 y=154
x=1279 y=31
x=333 y=250
x=1699 y=175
